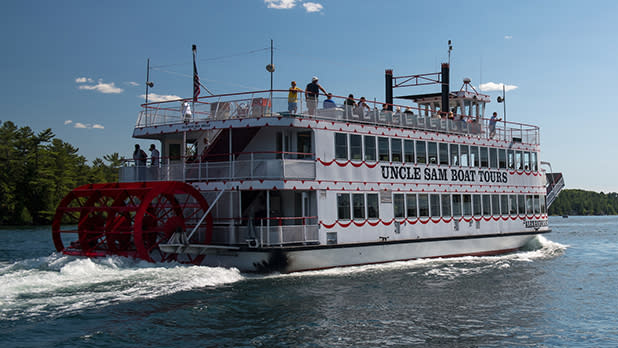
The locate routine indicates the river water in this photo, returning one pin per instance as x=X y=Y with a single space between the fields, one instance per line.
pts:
x=561 y=291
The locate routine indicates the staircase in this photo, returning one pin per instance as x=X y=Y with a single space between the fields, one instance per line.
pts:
x=555 y=184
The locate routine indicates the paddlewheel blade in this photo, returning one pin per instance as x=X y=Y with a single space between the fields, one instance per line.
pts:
x=130 y=219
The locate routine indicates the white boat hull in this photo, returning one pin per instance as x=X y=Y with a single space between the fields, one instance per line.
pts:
x=295 y=259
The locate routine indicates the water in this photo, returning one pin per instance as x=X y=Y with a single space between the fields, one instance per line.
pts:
x=559 y=292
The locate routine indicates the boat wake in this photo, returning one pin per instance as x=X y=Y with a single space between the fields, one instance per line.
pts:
x=60 y=284
x=537 y=249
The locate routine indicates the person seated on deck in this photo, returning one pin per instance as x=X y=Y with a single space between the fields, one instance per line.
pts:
x=329 y=103
x=362 y=105
x=408 y=111
x=348 y=105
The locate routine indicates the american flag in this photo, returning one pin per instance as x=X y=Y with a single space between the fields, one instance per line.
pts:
x=196 y=79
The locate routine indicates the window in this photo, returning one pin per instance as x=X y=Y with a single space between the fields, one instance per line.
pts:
x=356 y=147
x=341 y=146
x=408 y=151
x=486 y=205
x=502 y=158
x=454 y=155
x=446 y=205
x=358 y=206
x=398 y=205
x=493 y=158
x=373 y=206
x=434 y=203
x=474 y=156
x=484 y=157
x=533 y=162
x=421 y=152
x=423 y=205
x=513 y=205
x=519 y=161
x=537 y=205
x=529 y=206
x=495 y=205
x=432 y=152
x=383 y=149
x=463 y=156
x=370 y=148
x=526 y=160
x=411 y=205
x=343 y=206
x=467 y=205
x=543 y=205
x=511 y=159
x=521 y=205
x=395 y=150
x=504 y=203
x=476 y=206
x=456 y=205
x=443 y=148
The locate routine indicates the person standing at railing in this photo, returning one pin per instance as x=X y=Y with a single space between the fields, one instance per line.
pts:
x=154 y=156
x=186 y=110
x=492 y=124
x=293 y=98
x=140 y=157
x=329 y=103
x=311 y=95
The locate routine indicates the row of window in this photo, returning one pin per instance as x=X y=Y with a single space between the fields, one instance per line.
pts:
x=371 y=148
x=360 y=206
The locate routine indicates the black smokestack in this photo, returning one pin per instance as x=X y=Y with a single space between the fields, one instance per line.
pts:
x=389 y=89
x=445 y=88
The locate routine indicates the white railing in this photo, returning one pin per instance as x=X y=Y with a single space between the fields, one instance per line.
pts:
x=268 y=232
x=260 y=104
x=235 y=170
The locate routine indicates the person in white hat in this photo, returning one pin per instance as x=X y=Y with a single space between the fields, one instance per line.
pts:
x=311 y=95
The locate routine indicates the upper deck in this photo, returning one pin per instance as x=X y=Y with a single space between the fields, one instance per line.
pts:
x=210 y=111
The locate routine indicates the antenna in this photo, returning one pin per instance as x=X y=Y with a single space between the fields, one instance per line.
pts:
x=450 y=48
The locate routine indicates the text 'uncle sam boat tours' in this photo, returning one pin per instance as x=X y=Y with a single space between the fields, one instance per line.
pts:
x=244 y=183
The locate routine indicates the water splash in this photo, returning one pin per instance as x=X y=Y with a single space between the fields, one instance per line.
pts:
x=60 y=284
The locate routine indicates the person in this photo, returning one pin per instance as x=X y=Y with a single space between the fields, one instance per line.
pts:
x=492 y=124
x=329 y=103
x=362 y=104
x=186 y=110
x=311 y=95
x=348 y=106
x=154 y=156
x=293 y=98
x=139 y=157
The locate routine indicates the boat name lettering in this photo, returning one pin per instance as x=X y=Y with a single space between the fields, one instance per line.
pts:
x=535 y=223
x=442 y=174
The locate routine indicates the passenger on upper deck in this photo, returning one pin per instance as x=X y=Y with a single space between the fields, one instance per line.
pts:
x=492 y=124
x=186 y=110
x=312 y=91
x=293 y=98
x=329 y=103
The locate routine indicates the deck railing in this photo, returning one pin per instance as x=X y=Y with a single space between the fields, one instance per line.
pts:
x=260 y=104
x=251 y=166
x=276 y=231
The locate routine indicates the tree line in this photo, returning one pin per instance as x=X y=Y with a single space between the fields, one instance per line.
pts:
x=37 y=170
x=580 y=202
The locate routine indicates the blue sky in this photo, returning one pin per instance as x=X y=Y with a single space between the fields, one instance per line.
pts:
x=85 y=62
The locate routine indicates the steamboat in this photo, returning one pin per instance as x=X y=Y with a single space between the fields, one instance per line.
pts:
x=245 y=183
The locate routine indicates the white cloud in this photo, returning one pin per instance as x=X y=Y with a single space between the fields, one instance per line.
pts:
x=153 y=97
x=80 y=125
x=492 y=86
x=313 y=7
x=131 y=83
x=280 y=4
x=84 y=80
x=102 y=87
x=68 y=122
x=508 y=37
x=97 y=126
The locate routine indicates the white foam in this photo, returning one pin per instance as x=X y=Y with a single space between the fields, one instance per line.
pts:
x=59 y=284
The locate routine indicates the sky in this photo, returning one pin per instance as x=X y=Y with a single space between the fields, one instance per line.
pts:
x=79 y=67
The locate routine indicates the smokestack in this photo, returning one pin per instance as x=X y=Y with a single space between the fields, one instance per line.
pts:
x=445 y=88
x=389 y=88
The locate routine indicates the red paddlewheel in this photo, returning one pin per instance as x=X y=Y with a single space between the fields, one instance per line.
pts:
x=130 y=219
